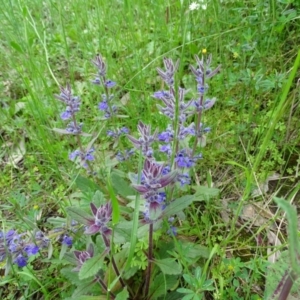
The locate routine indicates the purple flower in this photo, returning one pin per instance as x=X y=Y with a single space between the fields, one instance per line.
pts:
x=99 y=221
x=41 y=239
x=153 y=179
x=67 y=240
x=145 y=141
x=118 y=132
x=124 y=130
x=82 y=256
x=89 y=156
x=185 y=131
x=72 y=102
x=66 y=115
x=100 y=65
x=172 y=230
x=31 y=249
x=84 y=157
x=21 y=261
x=166 y=136
x=74 y=128
x=209 y=103
x=168 y=75
x=73 y=155
x=124 y=156
x=103 y=106
x=183 y=179
x=185 y=160
x=166 y=149
x=109 y=84
x=166 y=170
x=162 y=94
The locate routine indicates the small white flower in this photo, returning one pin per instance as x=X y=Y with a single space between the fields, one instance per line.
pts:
x=197 y=5
x=194 y=6
x=203 y=4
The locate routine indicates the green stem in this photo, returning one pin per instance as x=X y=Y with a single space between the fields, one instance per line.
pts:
x=150 y=257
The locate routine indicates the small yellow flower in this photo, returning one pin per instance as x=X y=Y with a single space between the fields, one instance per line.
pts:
x=35 y=207
x=204 y=51
x=235 y=55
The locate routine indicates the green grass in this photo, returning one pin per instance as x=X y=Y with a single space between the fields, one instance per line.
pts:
x=255 y=122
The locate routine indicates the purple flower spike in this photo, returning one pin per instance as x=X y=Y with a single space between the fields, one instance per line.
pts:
x=145 y=140
x=100 y=65
x=83 y=256
x=101 y=218
x=74 y=128
x=72 y=102
x=154 y=178
x=168 y=75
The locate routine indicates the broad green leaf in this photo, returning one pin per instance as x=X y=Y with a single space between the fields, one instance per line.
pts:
x=178 y=205
x=196 y=251
x=122 y=232
x=91 y=266
x=70 y=275
x=98 y=198
x=204 y=193
x=123 y=295
x=86 y=185
x=162 y=283
x=169 y=266
x=83 y=288
x=78 y=214
x=121 y=186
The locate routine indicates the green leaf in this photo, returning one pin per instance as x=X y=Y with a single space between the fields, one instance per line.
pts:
x=78 y=214
x=161 y=284
x=83 y=288
x=63 y=250
x=195 y=250
x=185 y=291
x=294 y=247
x=91 y=266
x=204 y=193
x=122 y=232
x=98 y=198
x=123 y=295
x=86 y=297
x=169 y=266
x=121 y=186
x=16 y=46
x=86 y=185
x=178 y=205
